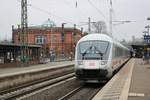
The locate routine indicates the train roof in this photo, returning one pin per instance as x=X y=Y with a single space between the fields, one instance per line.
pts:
x=103 y=37
x=96 y=36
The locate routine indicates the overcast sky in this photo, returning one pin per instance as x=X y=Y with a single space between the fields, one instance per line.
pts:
x=61 y=11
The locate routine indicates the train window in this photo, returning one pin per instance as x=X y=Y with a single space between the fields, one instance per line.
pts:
x=97 y=46
x=93 y=50
x=84 y=46
x=118 y=51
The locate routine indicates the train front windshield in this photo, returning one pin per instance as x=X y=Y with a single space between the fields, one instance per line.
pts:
x=93 y=50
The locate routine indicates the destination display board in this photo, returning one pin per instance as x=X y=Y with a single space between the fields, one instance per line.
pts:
x=147 y=38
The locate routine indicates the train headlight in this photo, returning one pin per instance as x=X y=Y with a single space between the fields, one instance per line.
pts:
x=80 y=62
x=103 y=62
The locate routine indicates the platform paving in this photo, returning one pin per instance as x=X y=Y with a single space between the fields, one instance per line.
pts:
x=117 y=88
x=140 y=82
x=10 y=70
x=135 y=83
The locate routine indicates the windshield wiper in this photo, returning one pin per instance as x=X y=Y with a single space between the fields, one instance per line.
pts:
x=95 y=49
x=99 y=52
x=83 y=54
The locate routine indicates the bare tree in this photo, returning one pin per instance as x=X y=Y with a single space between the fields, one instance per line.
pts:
x=123 y=41
x=100 y=27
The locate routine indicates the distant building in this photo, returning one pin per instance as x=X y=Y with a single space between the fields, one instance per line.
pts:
x=50 y=38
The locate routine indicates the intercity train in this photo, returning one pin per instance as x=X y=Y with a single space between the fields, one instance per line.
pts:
x=98 y=56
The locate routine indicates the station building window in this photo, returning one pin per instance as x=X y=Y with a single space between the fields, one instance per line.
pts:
x=40 y=39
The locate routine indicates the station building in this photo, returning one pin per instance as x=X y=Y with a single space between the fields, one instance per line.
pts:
x=50 y=38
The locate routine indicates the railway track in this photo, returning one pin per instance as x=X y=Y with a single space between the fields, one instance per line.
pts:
x=18 y=91
x=84 y=92
x=58 y=86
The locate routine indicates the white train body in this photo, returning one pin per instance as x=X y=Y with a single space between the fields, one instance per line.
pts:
x=97 y=56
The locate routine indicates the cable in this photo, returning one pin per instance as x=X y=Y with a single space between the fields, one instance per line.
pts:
x=68 y=3
x=49 y=13
x=81 y=12
x=96 y=8
x=42 y=10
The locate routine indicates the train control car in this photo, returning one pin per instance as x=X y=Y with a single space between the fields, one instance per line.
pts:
x=98 y=56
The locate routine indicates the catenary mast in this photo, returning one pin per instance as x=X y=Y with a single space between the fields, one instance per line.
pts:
x=24 y=33
x=110 y=20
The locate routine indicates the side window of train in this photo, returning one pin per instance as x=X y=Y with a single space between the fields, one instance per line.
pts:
x=113 y=51
x=120 y=51
x=116 y=51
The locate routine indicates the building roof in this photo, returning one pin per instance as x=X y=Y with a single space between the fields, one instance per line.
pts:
x=54 y=29
x=18 y=45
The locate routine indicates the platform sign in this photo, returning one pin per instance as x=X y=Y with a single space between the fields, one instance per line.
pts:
x=148 y=41
x=147 y=38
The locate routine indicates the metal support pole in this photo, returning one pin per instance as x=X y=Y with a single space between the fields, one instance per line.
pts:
x=110 y=20
x=74 y=38
x=89 y=24
x=81 y=30
x=71 y=51
x=24 y=33
x=51 y=46
x=147 y=29
x=62 y=41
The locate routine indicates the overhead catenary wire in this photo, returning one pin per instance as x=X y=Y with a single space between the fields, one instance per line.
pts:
x=98 y=10
x=49 y=13
x=77 y=8
x=60 y=17
x=114 y=17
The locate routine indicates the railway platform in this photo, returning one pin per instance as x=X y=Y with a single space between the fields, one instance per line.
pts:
x=17 y=70
x=140 y=83
x=132 y=82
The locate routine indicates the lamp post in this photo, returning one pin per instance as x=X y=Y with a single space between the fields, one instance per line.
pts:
x=73 y=41
x=71 y=46
x=148 y=18
x=147 y=40
x=51 y=31
x=74 y=38
x=145 y=32
x=62 y=40
x=122 y=22
x=147 y=28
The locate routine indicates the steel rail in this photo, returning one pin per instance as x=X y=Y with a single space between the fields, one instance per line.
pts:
x=30 y=87
x=36 y=81
x=71 y=93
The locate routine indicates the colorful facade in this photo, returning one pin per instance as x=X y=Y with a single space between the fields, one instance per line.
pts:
x=51 y=39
